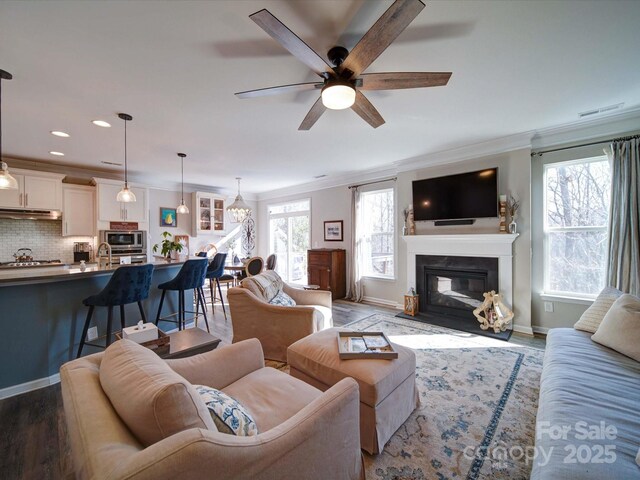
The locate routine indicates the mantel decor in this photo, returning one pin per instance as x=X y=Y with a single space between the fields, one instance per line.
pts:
x=493 y=313
x=333 y=231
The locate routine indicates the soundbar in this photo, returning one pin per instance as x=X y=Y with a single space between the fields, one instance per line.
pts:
x=446 y=223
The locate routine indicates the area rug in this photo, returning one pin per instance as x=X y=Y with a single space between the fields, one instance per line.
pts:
x=478 y=406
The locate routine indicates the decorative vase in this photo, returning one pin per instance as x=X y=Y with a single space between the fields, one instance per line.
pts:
x=513 y=226
x=175 y=255
x=405 y=230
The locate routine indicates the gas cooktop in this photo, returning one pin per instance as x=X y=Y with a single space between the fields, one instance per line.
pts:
x=33 y=263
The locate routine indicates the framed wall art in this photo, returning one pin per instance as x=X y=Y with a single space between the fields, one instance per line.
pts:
x=168 y=217
x=333 y=231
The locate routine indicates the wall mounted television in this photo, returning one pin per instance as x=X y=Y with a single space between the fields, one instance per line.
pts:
x=455 y=197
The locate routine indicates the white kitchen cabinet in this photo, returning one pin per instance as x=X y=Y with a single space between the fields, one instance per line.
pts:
x=36 y=191
x=209 y=215
x=78 y=211
x=110 y=210
x=13 y=198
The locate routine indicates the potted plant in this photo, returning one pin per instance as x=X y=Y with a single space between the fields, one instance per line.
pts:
x=169 y=248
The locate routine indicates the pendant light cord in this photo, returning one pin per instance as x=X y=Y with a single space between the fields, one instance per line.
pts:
x=182 y=188
x=126 y=183
x=0 y=120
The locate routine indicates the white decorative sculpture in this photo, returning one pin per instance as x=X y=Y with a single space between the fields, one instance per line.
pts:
x=493 y=313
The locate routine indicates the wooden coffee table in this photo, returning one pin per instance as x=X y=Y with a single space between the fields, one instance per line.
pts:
x=191 y=341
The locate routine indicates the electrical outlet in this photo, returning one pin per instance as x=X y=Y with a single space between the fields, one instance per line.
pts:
x=548 y=307
x=92 y=334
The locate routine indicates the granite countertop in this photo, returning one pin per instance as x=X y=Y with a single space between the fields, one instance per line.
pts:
x=32 y=275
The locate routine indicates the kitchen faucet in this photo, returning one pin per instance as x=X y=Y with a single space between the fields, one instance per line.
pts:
x=100 y=255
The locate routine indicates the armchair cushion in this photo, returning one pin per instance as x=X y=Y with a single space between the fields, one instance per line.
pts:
x=283 y=300
x=272 y=397
x=152 y=399
x=265 y=285
x=227 y=413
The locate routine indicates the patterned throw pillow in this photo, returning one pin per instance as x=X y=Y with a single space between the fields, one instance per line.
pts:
x=592 y=317
x=227 y=413
x=283 y=300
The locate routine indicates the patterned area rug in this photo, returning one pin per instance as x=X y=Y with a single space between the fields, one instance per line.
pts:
x=478 y=408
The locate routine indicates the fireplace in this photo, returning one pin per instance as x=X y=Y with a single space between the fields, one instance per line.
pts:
x=453 y=285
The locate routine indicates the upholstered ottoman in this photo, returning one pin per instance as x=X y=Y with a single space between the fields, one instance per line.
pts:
x=388 y=391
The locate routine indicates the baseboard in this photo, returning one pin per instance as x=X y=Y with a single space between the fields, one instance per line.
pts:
x=543 y=330
x=382 y=302
x=523 y=329
x=29 y=386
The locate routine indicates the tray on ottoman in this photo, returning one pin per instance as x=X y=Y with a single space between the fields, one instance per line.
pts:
x=352 y=345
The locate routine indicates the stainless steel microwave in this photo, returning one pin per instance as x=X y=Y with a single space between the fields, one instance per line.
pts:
x=134 y=241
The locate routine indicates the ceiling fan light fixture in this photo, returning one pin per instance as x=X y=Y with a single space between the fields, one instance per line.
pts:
x=338 y=95
x=239 y=209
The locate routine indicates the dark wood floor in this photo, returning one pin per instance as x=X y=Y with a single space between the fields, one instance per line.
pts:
x=33 y=437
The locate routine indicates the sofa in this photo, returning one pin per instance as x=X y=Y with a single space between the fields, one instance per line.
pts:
x=276 y=326
x=588 y=421
x=302 y=432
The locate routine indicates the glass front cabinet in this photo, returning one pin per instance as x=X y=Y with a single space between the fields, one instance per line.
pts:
x=209 y=214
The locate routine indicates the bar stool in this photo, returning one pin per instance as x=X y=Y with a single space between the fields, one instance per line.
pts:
x=190 y=277
x=215 y=272
x=128 y=284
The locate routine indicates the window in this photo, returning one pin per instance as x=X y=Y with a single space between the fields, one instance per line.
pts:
x=576 y=199
x=376 y=233
x=290 y=238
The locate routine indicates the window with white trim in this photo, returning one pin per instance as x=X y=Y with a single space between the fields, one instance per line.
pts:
x=377 y=233
x=576 y=215
x=290 y=238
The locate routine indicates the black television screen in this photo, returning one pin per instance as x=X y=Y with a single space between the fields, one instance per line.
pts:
x=463 y=196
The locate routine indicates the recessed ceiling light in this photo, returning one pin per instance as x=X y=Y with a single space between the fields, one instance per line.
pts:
x=58 y=133
x=101 y=123
x=57 y=154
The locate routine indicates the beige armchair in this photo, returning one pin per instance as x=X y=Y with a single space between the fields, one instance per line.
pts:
x=276 y=326
x=303 y=433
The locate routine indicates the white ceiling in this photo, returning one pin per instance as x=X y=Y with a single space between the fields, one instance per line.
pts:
x=517 y=66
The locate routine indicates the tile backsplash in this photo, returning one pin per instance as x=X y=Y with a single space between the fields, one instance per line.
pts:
x=44 y=237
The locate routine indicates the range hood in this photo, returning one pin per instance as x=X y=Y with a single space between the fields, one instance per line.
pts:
x=22 y=214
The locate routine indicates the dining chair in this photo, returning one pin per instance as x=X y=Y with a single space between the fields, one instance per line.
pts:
x=271 y=261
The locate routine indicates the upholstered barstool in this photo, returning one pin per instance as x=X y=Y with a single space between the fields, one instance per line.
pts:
x=128 y=284
x=215 y=273
x=190 y=277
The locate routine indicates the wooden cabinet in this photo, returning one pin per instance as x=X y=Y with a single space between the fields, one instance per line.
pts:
x=36 y=191
x=78 y=211
x=328 y=268
x=209 y=215
x=110 y=210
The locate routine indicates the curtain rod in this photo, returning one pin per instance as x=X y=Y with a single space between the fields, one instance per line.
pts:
x=392 y=179
x=620 y=139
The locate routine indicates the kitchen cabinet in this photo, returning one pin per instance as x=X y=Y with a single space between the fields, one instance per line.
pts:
x=110 y=210
x=326 y=268
x=210 y=213
x=36 y=191
x=78 y=211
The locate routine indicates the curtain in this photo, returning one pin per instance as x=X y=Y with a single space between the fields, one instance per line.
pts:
x=623 y=263
x=355 y=292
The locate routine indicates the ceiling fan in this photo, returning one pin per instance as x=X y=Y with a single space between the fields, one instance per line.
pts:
x=343 y=83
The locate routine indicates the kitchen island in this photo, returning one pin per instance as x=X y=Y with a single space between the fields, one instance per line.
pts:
x=42 y=315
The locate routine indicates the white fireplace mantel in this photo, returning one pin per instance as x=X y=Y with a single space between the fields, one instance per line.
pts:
x=492 y=245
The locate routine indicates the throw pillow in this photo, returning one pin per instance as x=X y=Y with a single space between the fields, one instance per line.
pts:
x=283 y=300
x=620 y=328
x=592 y=317
x=150 y=398
x=227 y=413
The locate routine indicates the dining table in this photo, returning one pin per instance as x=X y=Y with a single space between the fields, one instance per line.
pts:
x=234 y=268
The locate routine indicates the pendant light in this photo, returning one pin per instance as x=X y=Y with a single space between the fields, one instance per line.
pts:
x=239 y=210
x=125 y=195
x=182 y=208
x=7 y=182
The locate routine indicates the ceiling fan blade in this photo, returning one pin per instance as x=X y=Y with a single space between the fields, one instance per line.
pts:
x=398 y=80
x=289 y=40
x=367 y=111
x=379 y=37
x=314 y=114
x=265 y=92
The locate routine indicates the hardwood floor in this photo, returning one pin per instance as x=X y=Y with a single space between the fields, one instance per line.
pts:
x=33 y=438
